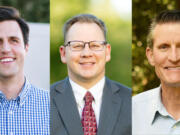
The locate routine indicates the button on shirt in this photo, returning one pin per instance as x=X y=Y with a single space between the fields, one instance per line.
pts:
x=96 y=91
x=150 y=117
x=28 y=114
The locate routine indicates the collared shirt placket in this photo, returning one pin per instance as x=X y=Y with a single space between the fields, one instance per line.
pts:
x=12 y=105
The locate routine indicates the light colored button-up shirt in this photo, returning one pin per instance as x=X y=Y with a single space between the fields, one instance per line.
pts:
x=96 y=91
x=150 y=117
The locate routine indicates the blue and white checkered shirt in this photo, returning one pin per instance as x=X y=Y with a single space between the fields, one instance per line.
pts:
x=28 y=114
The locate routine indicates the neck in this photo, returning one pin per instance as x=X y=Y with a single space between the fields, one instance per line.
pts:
x=11 y=86
x=171 y=100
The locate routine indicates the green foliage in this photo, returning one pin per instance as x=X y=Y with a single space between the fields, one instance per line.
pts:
x=31 y=10
x=143 y=75
x=119 y=36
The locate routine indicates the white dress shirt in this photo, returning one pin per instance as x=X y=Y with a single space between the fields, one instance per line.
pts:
x=150 y=117
x=96 y=91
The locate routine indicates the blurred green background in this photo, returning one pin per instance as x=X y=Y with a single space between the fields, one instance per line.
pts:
x=143 y=75
x=31 y=10
x=119 y=35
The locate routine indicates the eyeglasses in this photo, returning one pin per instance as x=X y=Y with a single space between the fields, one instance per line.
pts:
x=80 y=45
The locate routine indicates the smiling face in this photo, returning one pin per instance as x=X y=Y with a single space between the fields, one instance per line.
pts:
x=165 y=55
x=85 y=64
x=12 y=49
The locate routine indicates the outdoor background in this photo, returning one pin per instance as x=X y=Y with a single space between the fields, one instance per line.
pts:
x=117 y=16
x=143 y=76
x=36 y=12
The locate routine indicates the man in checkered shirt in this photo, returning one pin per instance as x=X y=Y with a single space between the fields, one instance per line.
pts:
x=24 y=109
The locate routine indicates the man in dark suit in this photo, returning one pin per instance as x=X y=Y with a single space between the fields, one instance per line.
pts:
x=86 y=102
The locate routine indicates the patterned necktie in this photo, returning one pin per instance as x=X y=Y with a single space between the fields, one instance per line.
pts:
x=88 y=117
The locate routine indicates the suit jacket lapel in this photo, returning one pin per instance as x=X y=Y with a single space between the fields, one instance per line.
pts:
x=67 y=107
x=110 y=109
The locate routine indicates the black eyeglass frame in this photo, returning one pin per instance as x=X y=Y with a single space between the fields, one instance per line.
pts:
x=84 y=43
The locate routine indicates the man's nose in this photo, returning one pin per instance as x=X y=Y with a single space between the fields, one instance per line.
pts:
x=86 y=51
x=174 y=54
x=5 y=47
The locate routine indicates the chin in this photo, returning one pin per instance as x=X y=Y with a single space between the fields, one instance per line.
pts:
x=87 y=77
x=175 y=84
x=8 y=73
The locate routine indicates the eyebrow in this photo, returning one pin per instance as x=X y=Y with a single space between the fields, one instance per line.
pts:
x=178 y=43
x=11 y=37
x=14 y=37
x=166 y=43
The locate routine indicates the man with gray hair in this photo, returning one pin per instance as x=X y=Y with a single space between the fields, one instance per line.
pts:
x=157 y=111
x=87 y=102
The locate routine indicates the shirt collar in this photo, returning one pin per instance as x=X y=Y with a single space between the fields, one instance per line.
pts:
x=2 y=97
x=96 y=90
x=157 y=105
x=24 y=92
x=22 y=95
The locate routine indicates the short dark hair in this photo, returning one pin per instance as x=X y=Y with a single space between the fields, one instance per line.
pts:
x=84 y=18
x=167 y=16
x=10 y=13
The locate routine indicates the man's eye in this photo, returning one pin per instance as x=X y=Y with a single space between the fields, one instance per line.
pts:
x=164 y=46
x=95 y=45
x=13 y=40
x=77 y=46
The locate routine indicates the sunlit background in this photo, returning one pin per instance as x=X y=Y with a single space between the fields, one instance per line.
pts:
x=143 y=75
x=117 y=16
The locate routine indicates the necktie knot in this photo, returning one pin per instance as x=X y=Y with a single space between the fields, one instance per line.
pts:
x=88 y=97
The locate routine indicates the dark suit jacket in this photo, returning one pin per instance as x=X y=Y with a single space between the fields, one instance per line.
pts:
x=115 y=113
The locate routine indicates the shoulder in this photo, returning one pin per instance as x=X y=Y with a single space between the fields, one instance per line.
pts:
x=145 y=98
x=119 y=85
x=59 y=83
x=143 y=110
x=38 y=97
x=122 y=89
x=39 y=92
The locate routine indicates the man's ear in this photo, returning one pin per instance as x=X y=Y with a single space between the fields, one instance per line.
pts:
x=26 y=47
x=149 y=55
x=108 y=52
x=62 y=52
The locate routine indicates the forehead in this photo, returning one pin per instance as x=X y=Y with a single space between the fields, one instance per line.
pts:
x=168 y=32
x=85 y=32
x=10 y=28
